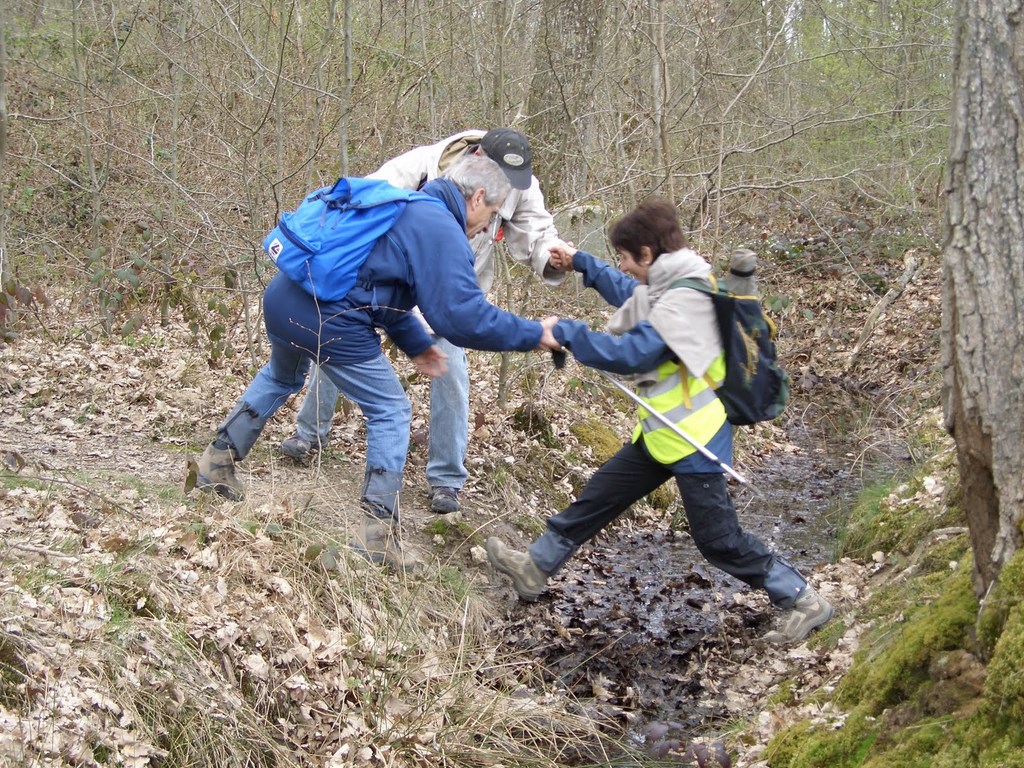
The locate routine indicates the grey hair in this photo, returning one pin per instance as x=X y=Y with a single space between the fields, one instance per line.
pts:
x=474 y=171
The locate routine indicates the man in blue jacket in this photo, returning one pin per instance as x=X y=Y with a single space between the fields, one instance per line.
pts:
x=525 y=228
x=424 y=260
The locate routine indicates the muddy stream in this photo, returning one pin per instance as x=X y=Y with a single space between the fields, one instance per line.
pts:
x=634 y=623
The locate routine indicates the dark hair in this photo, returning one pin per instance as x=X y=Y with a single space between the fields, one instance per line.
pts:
x=653 y=223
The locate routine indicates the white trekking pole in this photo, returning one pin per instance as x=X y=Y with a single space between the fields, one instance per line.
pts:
x=675 y=428
x=559 y=358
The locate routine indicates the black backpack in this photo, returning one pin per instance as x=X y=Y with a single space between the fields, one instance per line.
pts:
x=755 y=387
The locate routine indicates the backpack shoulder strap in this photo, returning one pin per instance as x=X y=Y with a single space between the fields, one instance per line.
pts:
x=708 y=286
x=357 y=192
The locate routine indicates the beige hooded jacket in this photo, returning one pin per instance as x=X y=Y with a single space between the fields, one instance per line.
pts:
x=529 y=230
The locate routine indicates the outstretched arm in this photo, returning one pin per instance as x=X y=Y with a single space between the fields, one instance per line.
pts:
x=614 y=286
x=639 y=350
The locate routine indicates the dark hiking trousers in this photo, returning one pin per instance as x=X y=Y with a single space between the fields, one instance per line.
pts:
x=629 y=476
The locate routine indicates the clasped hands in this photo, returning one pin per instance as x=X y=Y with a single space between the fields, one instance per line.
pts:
x=560 y=256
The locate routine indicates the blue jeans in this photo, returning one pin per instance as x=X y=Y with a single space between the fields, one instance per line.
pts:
x=449 y=417
x=372 y=385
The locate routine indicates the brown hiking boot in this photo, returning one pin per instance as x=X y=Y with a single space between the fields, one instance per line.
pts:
x=810 y=611
x=529 y=580
x=379 y=543
x=217 y=473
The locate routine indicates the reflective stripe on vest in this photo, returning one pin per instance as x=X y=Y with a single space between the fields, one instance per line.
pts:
x=697 y=411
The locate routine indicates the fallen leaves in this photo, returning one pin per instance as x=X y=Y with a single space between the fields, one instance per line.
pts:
x=217 y=607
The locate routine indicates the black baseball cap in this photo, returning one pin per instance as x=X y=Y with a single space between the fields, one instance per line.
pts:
x=509 y=149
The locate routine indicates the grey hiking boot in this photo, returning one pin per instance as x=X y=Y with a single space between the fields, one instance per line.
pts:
x=810 y=611
x=296 y=447
x=217 y=473
x=529 y=580
x=379 y=543
x=443 y=500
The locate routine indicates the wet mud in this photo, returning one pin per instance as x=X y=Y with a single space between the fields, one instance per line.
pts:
x=633 y=625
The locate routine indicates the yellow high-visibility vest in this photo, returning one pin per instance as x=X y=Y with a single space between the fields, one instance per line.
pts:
x=690 y=403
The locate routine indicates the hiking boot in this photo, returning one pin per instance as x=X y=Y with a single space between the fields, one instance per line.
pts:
x=443 y=500
x=529 y=580
x=217 y=473
x=809 y=612
x=296 y=447
x=378 y=542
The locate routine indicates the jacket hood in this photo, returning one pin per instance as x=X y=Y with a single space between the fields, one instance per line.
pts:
x=665 y=270
x=679 y=265
x=446 y=191
x=683 y=317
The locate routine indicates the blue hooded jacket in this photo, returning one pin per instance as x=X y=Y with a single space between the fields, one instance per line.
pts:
x=424 y=260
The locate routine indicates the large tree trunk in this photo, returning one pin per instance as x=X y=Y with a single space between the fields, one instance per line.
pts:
x=983 y=325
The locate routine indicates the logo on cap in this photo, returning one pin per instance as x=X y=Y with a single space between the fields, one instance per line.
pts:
x=513 y=159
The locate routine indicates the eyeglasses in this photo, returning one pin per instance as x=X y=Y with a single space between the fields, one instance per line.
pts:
x=494 y=224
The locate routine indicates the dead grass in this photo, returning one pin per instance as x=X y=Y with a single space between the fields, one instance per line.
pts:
x=215 y=635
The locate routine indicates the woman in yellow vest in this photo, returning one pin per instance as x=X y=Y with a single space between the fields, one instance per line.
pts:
x=668 y=341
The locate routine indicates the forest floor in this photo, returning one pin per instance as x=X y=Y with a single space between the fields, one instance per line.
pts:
x=96 y=434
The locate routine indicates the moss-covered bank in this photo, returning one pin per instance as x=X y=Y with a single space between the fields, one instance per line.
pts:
x=939 y=680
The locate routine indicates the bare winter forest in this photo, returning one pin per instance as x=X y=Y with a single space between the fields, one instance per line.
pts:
x=147 y=147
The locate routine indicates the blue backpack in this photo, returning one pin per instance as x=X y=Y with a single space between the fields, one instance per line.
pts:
x=756 y=388
x=324 y=242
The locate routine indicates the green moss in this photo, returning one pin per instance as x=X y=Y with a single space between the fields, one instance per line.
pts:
x=907 y=705
x=883 y=679
x=938 y=557
x=594 y=434
x=533 y=422
x=976 y=743
x=783 y=748
x=436 y=527
x=931 y=743
x=828 y=636
x=531 y=525
x=664 y=496
x=1007 y=594
x=884 y=519
x=536 y=473
x=806 y=747
x=1004 y=752
x=452 y=530
x=784 y=695
x=858 y=538
x=911 y=747
x=1004 y=686
x=958 y=751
